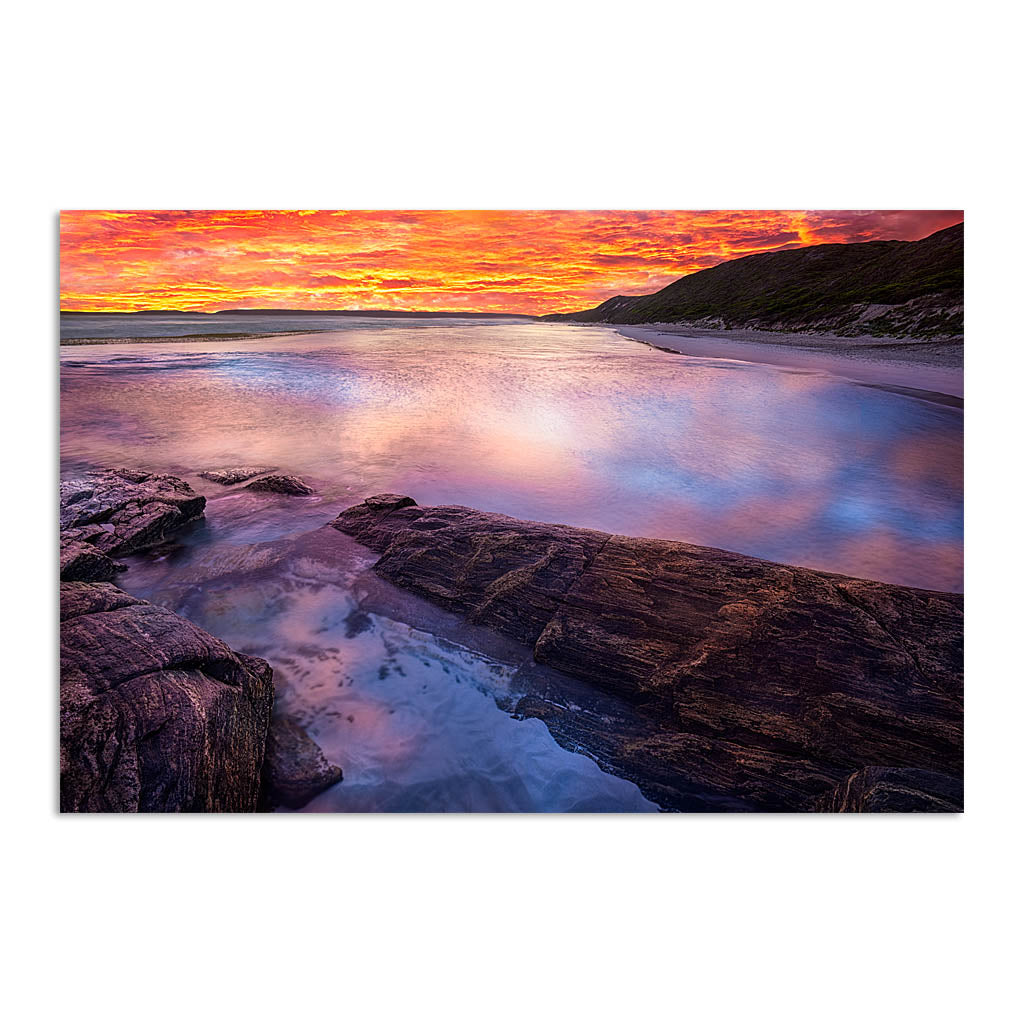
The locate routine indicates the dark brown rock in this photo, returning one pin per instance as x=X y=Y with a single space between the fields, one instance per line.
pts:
x=388 y=502
x=121 y=511
x=896 y=790
x=771 y=683
x=156 y=714
x=295 y=769
x=276 y=484
x=500 y=572
x=235 y=475
x=82 y=561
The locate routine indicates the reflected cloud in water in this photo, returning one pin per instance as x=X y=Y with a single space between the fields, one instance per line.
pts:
x=552 y=423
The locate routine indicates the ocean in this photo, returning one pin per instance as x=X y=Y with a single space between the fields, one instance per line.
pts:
x=550 y=422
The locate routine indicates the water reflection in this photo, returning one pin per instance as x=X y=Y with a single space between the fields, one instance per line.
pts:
x=416 y=720
x=546 y=422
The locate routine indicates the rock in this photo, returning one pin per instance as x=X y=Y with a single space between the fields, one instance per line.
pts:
x=156 y=714
x=388 y=502
x=280 y=485
x=771 y=684
x=500 y=572
x=82 y=561
x=295 y=769
x=121 y=511
x=895 y=790
x=236 y=475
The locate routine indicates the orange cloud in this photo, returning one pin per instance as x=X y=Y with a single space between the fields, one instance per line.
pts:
x=510 y=261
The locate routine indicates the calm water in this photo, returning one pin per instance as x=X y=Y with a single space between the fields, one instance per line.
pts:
x=546 y=422
x=176 y=325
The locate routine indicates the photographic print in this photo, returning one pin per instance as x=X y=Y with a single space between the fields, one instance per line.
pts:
x=511 y=511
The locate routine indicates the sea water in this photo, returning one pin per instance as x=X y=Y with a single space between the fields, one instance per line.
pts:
x=540 y=421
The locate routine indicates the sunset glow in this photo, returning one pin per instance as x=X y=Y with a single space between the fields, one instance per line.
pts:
x=487 y=261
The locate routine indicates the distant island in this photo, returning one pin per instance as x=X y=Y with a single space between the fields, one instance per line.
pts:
x=885 y=289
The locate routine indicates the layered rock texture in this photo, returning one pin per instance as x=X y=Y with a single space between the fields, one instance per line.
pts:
x=156 y=714
x=118 y=512
x=770 y=685
x=895 y=789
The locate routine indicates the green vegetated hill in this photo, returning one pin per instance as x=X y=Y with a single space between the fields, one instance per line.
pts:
x=886 y=289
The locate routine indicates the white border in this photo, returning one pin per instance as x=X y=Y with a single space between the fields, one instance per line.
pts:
x=643 y=105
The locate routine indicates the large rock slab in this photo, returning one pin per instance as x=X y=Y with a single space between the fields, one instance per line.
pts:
x=121 y=511
x=500 y=572
x=156 y=714
x=772 y=684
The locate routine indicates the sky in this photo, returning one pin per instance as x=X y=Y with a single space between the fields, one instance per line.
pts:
x=509 y=261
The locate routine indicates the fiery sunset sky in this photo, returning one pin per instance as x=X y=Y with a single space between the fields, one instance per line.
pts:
x=529 y=261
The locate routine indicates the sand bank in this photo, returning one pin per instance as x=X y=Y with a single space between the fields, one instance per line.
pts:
x=916 y=365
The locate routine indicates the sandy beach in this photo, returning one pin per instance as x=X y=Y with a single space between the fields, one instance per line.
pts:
x=933 y=368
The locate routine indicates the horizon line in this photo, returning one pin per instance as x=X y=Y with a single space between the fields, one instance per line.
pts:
x=293 y=309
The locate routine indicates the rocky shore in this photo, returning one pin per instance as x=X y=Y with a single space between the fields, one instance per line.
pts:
x=746 y=685
x=155 y=713
x=117 y=512
x=768 y=687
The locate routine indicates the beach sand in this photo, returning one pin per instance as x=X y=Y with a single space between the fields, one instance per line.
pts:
x=930 y=367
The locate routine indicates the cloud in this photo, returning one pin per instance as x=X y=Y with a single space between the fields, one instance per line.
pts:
x=531 y=261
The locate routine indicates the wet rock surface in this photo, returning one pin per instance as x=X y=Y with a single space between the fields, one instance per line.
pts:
x=118 y=512
x=766 y=686
x=281 y=484
x=80 y=560
x=295 y=769
x=156 y=714
x=236 y=475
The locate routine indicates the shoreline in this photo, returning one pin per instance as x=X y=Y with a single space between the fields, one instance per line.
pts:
x=919 y=368
x=923 y=368
x=166 y=339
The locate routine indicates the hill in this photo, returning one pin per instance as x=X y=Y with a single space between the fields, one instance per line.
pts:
x=887 y=289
